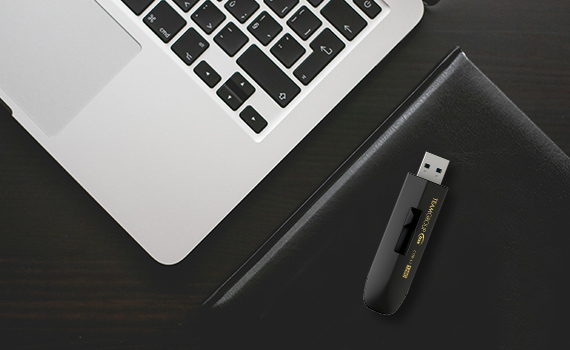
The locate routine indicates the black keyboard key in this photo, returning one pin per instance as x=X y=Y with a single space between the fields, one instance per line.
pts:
x=253 y=119
x=369 y=7
x=235 y=91
x=242 y=9
x=231 y=39
x=281 y=7
x=264 y=28
x=229 y=97
x=241 y=87
x=207 y=74
x=185 y=5
x=344 y=18
x=315 y=3
x=164 y=21
x=208 y=17
x=287 y=50
x=304 y=23
x=137 y=6
x=266 y=73
x=190 y=46
x=325 y=48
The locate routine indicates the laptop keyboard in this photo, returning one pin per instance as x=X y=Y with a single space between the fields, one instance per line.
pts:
x=281 y=75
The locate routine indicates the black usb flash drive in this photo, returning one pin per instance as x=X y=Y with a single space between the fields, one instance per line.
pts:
x=406 y=236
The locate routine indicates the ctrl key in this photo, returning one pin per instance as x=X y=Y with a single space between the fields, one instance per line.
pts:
x=253 y=119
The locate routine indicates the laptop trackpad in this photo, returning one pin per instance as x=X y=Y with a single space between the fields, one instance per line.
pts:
x=57 y=55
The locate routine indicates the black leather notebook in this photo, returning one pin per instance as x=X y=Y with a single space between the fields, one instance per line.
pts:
x=495 y=273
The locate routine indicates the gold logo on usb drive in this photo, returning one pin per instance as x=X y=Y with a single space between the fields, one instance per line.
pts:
x=407 y=271
x=421 y=238
x=426 y=222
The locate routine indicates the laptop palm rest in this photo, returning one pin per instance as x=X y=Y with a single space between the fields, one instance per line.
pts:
x=67 y=51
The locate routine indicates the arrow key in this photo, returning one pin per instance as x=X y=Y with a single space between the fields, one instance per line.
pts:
x=343 y=17
x=240 y=86
x=207 y=74
x=229 y=97
x=253 y=119
x=235 y=91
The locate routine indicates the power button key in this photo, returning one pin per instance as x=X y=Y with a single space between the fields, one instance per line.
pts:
x=369 y=7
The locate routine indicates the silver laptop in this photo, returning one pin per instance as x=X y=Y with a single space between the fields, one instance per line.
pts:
x=170 y=112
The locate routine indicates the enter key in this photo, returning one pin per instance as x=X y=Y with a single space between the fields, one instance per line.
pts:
x=326 y=47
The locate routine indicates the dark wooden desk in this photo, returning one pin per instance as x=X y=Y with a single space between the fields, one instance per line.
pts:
x=72 y=278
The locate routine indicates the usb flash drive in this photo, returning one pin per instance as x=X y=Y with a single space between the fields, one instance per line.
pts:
x=406 y=236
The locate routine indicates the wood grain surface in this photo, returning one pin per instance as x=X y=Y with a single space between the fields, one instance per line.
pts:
x=70 y=277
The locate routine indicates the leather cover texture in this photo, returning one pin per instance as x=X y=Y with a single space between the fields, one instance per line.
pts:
x=495 y=273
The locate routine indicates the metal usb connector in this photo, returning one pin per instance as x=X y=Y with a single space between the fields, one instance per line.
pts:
x=433 y=168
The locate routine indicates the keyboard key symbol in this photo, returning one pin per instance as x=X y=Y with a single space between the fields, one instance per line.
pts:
x=253 y=119
x=165 y=33
x=207 y=74
x=326 y=50
x=282 y=96
x=152 y=18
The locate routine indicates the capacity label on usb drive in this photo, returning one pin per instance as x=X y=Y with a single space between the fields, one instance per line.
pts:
x=423 y=231
x=409 y=266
